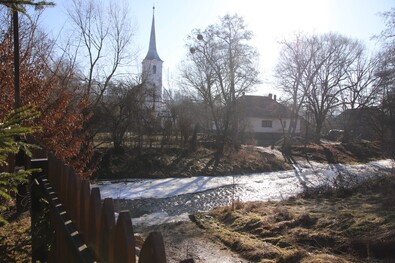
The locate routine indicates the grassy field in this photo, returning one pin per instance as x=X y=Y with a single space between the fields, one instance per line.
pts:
x=357 y=225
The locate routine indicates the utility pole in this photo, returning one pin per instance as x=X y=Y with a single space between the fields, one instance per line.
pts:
x=15 y=22
x=20 y=158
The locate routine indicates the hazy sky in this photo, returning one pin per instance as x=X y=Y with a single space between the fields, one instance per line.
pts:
x=270 y=21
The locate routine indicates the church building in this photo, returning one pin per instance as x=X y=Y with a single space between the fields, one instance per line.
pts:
x=152 y=72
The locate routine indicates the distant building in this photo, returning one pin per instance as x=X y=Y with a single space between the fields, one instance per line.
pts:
x=365 y=123
x=265 y=118
x=152 y=73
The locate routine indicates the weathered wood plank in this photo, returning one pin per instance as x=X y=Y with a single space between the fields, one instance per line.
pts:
x=124 y=240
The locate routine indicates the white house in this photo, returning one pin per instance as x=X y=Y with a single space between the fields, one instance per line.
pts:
x=265 y=118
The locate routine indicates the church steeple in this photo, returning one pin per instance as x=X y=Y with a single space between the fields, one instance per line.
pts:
x=152 y=52
x=152 y=72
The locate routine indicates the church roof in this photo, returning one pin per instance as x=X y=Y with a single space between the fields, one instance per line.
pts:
x=152 y=53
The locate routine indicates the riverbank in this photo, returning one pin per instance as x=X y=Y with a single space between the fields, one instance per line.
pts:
x=353 y=225
x=180 y=163
x=324 y=224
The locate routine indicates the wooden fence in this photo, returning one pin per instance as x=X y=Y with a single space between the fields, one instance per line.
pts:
x=86 y=229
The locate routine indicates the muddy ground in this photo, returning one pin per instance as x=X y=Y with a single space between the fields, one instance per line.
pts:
x=184 y=240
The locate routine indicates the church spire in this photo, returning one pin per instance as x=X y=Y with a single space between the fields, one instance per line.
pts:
x=152 y=53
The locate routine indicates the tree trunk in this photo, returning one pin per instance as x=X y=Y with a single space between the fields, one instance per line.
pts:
x=318 y=129
x=193 y=141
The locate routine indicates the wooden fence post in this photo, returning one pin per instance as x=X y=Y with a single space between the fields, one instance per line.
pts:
x=72 y=201
x=107 y=224
x=94 y=220
x=153 y=249
x=64 y=185
x=124 y=240
x=70 y=190
x=77 y=201
x=38 y=226
x=84 y=207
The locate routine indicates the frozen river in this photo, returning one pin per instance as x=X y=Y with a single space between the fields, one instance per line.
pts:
x=155 y=201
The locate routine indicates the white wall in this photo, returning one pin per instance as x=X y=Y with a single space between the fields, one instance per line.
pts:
x=154 y=79
x=255 y=125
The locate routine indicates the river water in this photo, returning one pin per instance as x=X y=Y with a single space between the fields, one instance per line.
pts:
x=154 y=201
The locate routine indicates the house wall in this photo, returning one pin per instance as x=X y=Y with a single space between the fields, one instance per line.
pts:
x=266 y=136
x=255 y=125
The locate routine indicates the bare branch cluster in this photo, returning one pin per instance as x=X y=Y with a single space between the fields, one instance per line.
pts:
x=219 y=69
x=104 y=35
x=322 y=74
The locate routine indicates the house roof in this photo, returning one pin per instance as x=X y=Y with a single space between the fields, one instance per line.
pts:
x=262 y=107
x=361 y=114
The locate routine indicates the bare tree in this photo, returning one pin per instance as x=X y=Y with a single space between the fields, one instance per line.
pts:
x=115 y=111
x=123 y=111
x=220 y=68
x=294 y=72
x=323 y=73
x=104 y=38
x=386 y=74
x=332 y=62
x=361 y=91
x=19 y=5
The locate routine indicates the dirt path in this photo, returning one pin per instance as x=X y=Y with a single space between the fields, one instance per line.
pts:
x=185 y=240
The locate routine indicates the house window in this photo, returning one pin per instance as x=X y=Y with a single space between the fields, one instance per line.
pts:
x=154 y=69
x=267 y=124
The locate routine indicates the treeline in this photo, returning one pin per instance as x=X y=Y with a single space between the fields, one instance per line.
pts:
x=85 y=92
x=324 y=75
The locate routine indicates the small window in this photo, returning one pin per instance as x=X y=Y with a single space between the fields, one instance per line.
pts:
x=267 y=124
x=154 y=69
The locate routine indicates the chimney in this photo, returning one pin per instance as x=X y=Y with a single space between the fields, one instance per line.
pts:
x=270 y=96
x=275 y=98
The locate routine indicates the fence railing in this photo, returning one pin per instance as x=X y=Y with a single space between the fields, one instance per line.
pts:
x=86 y=229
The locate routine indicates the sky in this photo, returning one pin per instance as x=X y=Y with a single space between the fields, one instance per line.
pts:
x=270 y=21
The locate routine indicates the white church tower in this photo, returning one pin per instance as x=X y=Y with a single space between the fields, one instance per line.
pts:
x=152 y=72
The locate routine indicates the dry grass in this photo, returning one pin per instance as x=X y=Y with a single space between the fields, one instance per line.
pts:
x=334 y=229
x=15 y=240
x=340 y=153
x=157 y=163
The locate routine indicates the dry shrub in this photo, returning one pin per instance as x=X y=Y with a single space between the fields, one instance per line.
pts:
x=381 y=246
x=237 y=204
x=291 y=256
x=305 y=220
x=251 y=206
x=282 y=214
